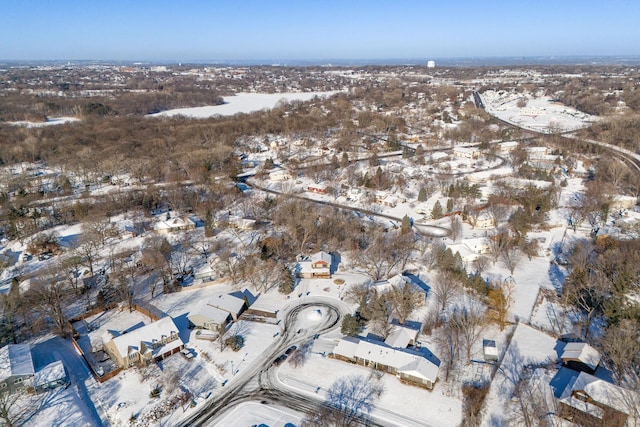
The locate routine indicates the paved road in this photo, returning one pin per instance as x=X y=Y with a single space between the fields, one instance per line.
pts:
x=255 y=383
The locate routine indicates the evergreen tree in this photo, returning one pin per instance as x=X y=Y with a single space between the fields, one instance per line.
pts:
x=350 y=325
x=287 y=281
x=422 y=194
x=344 y=162
x=450 y=205
x=436 y=213
x=406 y=225
x=208 y=224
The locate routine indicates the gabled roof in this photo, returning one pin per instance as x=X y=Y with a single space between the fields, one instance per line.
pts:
x=321 y=257
x=401 y=336
x=581 y=352
x=134 y=340
x=404 y=361
x=227 y=302
x=15 y=359
x=212 y=314
x=600 y=391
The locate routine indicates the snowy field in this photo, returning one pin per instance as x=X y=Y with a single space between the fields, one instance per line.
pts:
x=241 y=103
x=50 y=121
x=399 y=404
x=256 y=414
x=528 y=347
x=540 y=114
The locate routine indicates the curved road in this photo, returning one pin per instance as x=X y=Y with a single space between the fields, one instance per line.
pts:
x=256 y=382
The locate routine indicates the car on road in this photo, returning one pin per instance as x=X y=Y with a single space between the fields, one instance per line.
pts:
x=291 y=349
x=280 y=359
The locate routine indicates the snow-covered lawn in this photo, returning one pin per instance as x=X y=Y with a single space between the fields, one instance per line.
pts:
x=400 y=404
x=528 y=347
x=541 y=113
x=241 y=103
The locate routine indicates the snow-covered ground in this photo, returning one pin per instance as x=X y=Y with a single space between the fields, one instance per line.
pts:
x=541 y=113
x=257 y=414
x=528 y=347
x=50 y=121
x=241 y=103
x=399 y=404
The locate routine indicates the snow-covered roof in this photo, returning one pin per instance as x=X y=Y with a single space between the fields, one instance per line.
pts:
x=404 y=361
x=401 y=336
x=50 y=373
x=599 y=391
x=213 y=314
x=131 y=341
x=321 y=257
x=174 y=223
x=227 y=302
x=320 y=262
x=581 y=352
x=15 y=359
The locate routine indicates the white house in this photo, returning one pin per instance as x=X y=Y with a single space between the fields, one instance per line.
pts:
x=154 y=341
x=16 y=367
x=218 y=310
x=317 y=265
x=174 y=224
x=415 y=367
x=466 y=152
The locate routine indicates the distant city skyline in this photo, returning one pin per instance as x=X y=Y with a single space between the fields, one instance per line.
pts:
x=254 y=30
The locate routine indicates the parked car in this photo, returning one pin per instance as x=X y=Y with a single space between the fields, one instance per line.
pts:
x=187 y=353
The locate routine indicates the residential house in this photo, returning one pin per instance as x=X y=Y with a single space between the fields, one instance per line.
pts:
x=317 y=188
x=467 y=152
x=16 y=367
x=623 y=202
x=580 y=356
x=175 y=224
x=402 y=336
x=591 y=401
x=280 y=175
x=398 y=281
x=154 y=341
x=218 y=310
x=317 y=265
x=415 y=367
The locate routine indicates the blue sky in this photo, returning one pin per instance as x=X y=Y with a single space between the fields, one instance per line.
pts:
x=185 y=30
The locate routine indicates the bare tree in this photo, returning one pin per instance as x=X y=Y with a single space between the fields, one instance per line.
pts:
x=445 y=287
x=263 y=275
x=447 y=339
x=456 y=227
x=481 y=263
x=349 y=399
x=49 y=294
x=13 y=412
x=511 y=256
x=621 y=347
x=88 y=249
x=403 y=300
x=468 y=319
